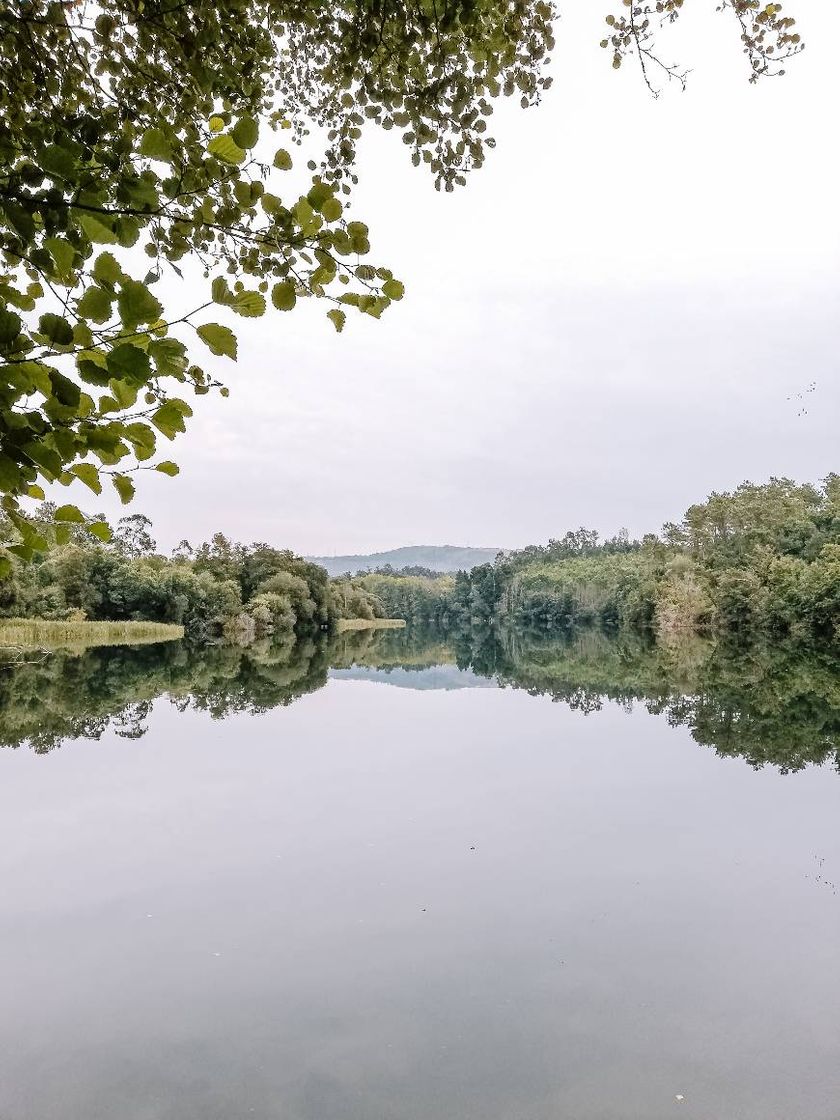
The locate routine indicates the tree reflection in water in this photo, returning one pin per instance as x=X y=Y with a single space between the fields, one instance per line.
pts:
x=769 y=704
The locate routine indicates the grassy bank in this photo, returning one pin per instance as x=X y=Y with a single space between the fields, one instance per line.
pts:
x=369 y=624
x=33 y=633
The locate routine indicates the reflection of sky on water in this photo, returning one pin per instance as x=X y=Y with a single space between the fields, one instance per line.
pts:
x=435 y=677
x=415 y=904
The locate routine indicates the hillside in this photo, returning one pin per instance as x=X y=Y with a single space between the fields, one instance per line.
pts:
x=438 y=558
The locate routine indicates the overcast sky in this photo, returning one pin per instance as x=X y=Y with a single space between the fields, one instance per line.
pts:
x=614 y=318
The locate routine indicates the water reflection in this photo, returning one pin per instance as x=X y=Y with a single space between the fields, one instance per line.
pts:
x=768 y=704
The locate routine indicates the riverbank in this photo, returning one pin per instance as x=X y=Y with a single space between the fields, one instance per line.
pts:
x=33 y=633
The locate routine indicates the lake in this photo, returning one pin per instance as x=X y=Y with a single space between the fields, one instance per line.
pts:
x=409 y=876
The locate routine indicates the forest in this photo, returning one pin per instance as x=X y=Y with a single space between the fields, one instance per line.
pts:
x=762 y=560
x=218 y=590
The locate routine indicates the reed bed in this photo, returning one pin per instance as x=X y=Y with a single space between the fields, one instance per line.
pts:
x=36 y=633
x=369 y=624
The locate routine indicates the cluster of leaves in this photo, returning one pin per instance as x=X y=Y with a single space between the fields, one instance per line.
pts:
x=144 y=129
x=769 y=38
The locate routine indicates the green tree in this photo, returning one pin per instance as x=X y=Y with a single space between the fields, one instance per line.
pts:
x=133 y=536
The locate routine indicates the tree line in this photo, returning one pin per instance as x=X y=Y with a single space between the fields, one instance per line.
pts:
x=763 y=559
x=218 y=589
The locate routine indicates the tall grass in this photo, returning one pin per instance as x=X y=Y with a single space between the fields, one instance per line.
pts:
x=343 y=624
x=34 y=633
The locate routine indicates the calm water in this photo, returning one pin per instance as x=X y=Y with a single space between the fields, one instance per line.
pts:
x=393 y=878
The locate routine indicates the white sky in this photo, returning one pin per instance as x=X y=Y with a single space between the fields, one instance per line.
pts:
x=606 y=324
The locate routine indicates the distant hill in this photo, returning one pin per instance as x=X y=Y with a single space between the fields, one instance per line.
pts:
x=437 y=557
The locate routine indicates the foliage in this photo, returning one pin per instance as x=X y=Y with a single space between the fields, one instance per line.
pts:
x=221 y=588
x=352 y=598
x=762 y=560
x=419 y=598
x=768 y=38
x=147 y=129
x=152 y=129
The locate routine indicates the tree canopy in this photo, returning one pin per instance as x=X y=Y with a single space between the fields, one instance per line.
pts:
x=143 y=137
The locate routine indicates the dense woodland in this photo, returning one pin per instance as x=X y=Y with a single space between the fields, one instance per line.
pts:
x=220 y=589
x=763 y=560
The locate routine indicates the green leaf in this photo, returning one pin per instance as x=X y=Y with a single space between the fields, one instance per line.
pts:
x=221 y=340
x=65 y=391
x=39 y=376
x=155 y=145
x=143 y=194
x=283 y=295
x=124 y=487
x=143 y=438
x=89 y=475
x=168 y=467
x=393 y=289
x=136 y=304
x=129 y=363
x=21 y=219
x=93 y=368
x=169 y=356
x=62 y=252
x=99 y=228
x=58 y=162
x=56 y=329
x=216 y=124
x=245 y=132
x=95 y=304
x=125 y=394
x=106 y=269
x=68 y=513
x=169 y=420
x=249 y=304
x=82 y=335
x=127 y=230
x=319 y=194
x=10 y=476
x=10 y=325
x=331 y=209
x=337 y=318
x=282 y=160
x=47 y=459
x=220 y=290
x=225 y=148
x=100 y=530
